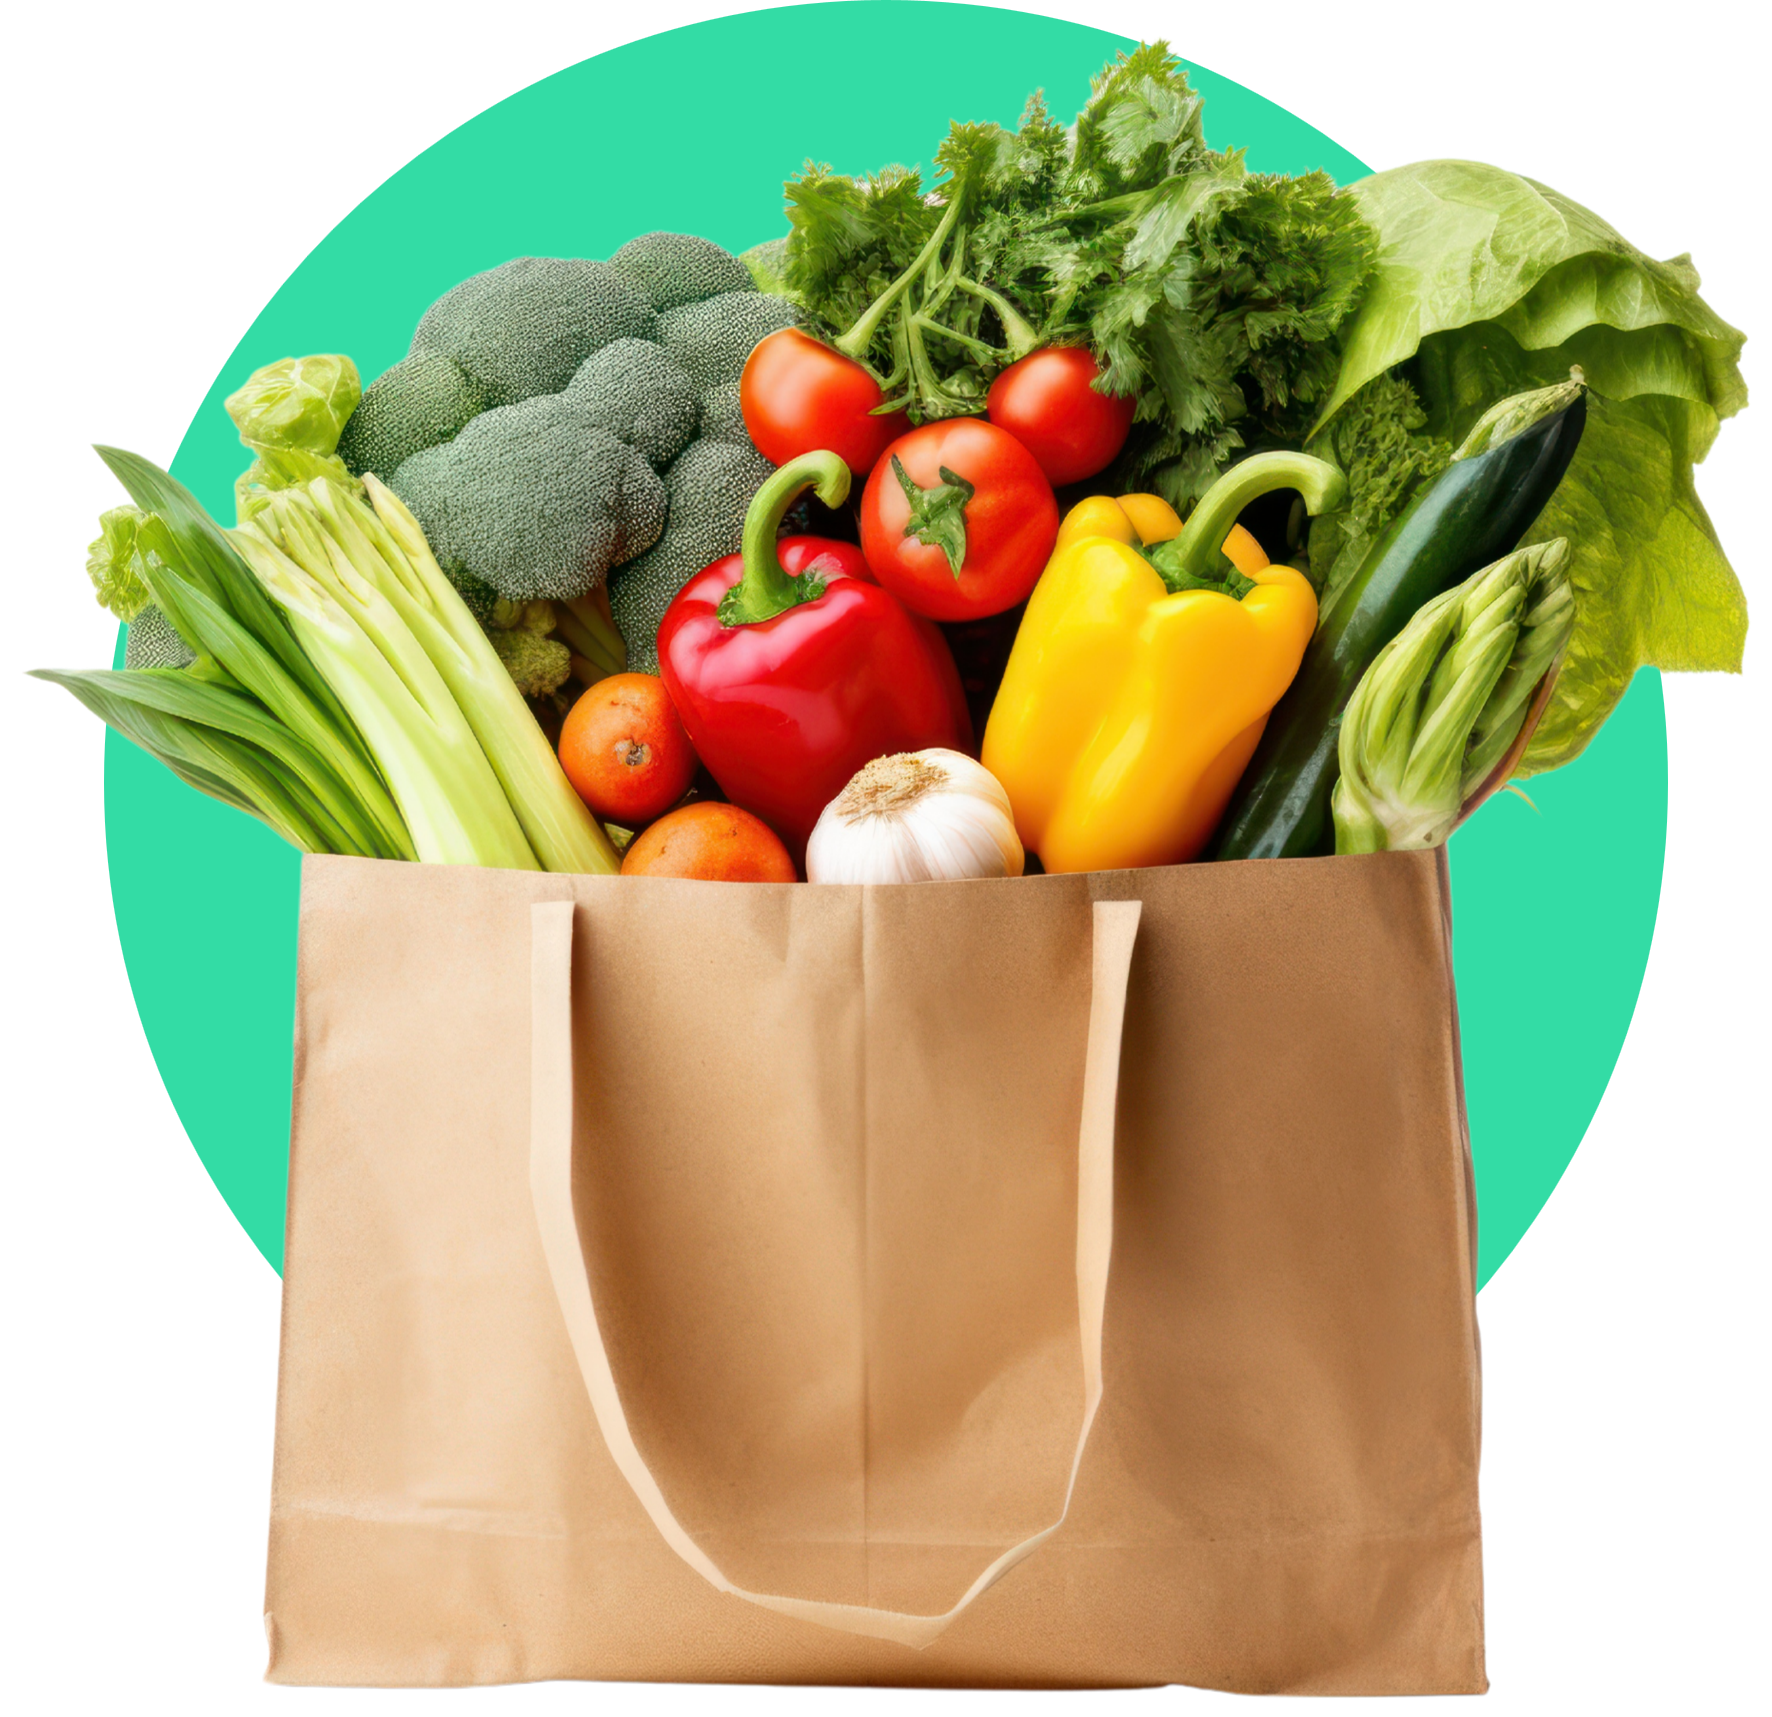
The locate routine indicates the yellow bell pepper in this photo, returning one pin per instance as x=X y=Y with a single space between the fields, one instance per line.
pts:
x=1129 y=708
x=1148 y=519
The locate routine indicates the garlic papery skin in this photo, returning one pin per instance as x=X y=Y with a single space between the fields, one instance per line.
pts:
x=917 y=816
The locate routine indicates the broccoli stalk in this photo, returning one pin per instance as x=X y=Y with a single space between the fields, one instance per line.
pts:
x=589 y=629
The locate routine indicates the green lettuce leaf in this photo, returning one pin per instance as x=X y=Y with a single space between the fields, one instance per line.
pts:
x=296 y=404
x=1464 y=243
x=1487 y=284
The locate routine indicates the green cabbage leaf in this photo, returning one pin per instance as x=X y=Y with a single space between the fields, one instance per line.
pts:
x=1487 y=284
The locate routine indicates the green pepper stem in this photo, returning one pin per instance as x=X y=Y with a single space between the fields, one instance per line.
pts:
x=767 y=587
x=1202 y=537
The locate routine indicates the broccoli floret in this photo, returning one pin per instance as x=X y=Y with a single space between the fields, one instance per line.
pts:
x=676 y=268
x=722 y=416
x=522 y=329
x=152 y=643
x=712 y=339
x=536 y=616
x=639 y=393
x=422 y=401
x=540 y=400
x=710 y=486
x=537 y=663
x=535 y=499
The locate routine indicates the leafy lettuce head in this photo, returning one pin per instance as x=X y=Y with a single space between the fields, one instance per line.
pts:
x=1488 y=284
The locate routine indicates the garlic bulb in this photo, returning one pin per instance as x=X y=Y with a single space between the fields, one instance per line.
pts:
x=918 y=816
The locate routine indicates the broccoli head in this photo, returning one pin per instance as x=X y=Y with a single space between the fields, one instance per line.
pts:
x=534 y=499
x=639 y=393
x=713 y=338
x=522 y=329
x=540 y=402
x=152 y=643
x=676 y=268
x=709 y=488
x=722 y=416
x=423 y=400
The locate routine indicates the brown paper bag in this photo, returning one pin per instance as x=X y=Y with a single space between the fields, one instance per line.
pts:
x=691 y=1281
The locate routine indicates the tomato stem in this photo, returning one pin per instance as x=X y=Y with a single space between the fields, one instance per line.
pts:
x=938 y=283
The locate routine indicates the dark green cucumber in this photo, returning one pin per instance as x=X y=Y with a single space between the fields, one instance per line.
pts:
x=1473 y=513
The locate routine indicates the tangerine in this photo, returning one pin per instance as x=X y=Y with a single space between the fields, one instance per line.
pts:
x=624 y=749
x=712 y=841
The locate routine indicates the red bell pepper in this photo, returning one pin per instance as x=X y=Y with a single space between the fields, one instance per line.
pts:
x=791 y=668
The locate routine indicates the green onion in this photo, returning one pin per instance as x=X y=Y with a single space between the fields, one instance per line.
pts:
x=243 y=641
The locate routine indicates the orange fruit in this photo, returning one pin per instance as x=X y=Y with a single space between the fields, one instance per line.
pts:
x=711 y=841
x=624 y=749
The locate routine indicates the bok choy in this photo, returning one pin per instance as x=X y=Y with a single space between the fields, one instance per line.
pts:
x=1439 y=720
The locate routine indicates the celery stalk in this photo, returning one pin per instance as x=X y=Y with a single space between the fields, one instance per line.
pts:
x=564 y=834
x=440 y=779
x=242 y=639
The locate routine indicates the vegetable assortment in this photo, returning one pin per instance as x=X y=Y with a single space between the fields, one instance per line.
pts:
x=1262 y=518
x=792 y=667
x=1476 y=509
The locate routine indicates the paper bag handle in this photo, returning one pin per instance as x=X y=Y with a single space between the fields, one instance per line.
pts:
x=550 y=1180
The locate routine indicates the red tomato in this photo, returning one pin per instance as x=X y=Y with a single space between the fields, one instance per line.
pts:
x=799 y=395
x=1049 y=403
x=1001 y=534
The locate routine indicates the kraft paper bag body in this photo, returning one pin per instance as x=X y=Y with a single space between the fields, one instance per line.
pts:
x=682 y=1267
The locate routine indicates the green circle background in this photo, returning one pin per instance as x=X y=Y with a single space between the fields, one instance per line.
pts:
x=694 y=131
